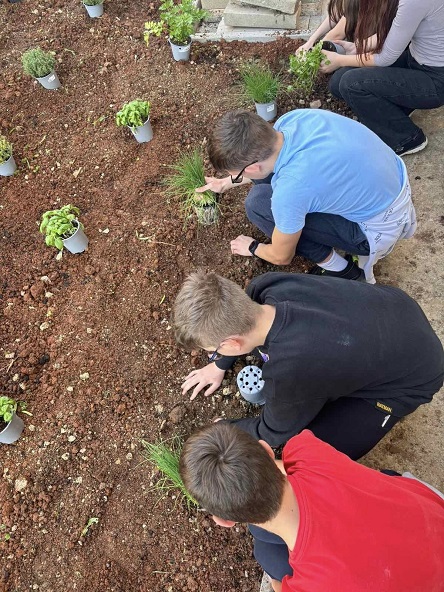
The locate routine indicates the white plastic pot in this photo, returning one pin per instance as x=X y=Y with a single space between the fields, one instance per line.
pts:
x=250 y=384
x=143 y=133
x=94 y=11
x=77 y=242
x=267 y=111
x=8 y=168
x=13 y=430
x=51 y=81
x=181 y=53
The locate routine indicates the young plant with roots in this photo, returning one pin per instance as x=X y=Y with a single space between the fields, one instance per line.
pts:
x=188 y=174
x=305 y=66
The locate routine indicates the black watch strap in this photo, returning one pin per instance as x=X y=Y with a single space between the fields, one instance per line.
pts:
x=253 y=246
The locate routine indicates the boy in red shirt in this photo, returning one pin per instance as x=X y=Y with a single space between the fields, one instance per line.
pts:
x=322 y=522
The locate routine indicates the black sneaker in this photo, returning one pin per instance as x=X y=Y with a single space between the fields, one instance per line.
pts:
x=351 y=272
x=418 y=143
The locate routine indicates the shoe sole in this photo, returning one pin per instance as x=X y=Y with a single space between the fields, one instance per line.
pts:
x=416 y=148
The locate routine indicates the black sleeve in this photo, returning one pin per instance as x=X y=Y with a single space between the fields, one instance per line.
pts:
x=225 y=362
x=278 y=422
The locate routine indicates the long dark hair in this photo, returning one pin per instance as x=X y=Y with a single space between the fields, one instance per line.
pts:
x=364 y=18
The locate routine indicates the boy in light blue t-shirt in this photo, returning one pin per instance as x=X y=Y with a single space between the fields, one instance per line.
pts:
x=321 y=181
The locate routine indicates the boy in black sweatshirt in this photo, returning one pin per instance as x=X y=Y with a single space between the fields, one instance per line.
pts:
x=346 y=360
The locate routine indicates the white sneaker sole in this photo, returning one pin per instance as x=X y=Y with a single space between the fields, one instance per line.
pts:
x=416 y=148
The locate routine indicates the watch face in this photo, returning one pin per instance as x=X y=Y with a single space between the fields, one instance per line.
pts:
x=253 y=246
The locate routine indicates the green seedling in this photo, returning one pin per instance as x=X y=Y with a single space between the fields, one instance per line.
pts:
x=7 y=409
x=92 y=2
x=259 y=83
x=188 y=174
x=38 y=63
x=5 y=149
x=6 y=535
x=305 y=66
x=177 y=20
x=133 y=114
x=165 y=457
x=59 y=224
x=90 y=522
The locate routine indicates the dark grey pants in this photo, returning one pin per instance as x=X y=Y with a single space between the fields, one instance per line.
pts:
x=321 y=231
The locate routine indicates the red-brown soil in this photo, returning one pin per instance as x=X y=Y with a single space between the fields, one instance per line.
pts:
x=86 y=341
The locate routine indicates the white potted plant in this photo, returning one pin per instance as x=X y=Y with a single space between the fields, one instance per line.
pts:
x=261 y=85
x=188 y=174
x=62 y=229
x=11 y=425
x=40 y=65
x=136 y=116
x=179 y=21
x=7 y=162
x=93 y=7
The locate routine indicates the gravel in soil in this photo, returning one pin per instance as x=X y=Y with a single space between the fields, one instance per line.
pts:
x=86 y=341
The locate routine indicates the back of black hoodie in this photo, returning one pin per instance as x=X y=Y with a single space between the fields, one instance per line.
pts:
x=334 y=338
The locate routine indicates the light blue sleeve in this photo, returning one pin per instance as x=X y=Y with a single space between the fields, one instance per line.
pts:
x=289 y=204
x=408 y=18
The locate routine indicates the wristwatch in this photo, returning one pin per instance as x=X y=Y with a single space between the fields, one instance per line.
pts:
x=253 y=246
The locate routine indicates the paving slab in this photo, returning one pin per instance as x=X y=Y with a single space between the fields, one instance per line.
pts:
x=287 y=6
x=213 y=4
x=416 y=266
x=238 y=15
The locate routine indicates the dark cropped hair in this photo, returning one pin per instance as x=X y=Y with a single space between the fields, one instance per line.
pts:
x=231 y=475
x=238 y=139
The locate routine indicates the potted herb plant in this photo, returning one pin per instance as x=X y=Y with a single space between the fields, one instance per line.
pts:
x=11 y=425
x=178 y=20
x=7 y=162
x=188 y=174
x=136 y=115
x=262 y=86
x=63 y=229
x=305 y=66
x=93 y=7
x=40 y=64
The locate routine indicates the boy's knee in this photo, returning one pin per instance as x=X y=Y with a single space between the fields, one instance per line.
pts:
x=252 y=201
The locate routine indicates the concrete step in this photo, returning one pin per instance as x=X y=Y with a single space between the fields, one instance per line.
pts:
x=311 y=7
x=213 y=4
x=287 y=6
x=238 y=15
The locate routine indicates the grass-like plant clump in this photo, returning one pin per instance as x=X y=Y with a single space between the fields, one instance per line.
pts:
x=188 y=174
x=38 y=63
x=305 y=66
x=177 y=20
x=5 y=149
x=133 y=114
x=164 y=456
x=259 y=83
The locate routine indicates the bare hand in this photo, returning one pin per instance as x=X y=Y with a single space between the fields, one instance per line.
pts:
x=209 y=375
x=239 y=246
x=304 y=47
x=215 y=184
x=349 y=46
x=331 y=62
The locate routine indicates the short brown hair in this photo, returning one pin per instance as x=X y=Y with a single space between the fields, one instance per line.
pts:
x=238 y=139
x=210 y=308
x=231 y=475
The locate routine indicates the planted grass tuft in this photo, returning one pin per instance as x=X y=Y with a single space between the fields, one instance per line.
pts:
x=259 y=83
x=165 y=455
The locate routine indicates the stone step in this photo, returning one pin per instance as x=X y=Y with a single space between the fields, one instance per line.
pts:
x=311 y=7
x=214 y=16
x=237 y=15
x=287 y=6
x=213 y=4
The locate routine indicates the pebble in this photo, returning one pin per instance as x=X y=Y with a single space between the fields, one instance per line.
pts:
x=315 y=104
x=20 y=484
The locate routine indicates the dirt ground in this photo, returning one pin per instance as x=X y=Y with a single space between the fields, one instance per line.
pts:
x=86 y=341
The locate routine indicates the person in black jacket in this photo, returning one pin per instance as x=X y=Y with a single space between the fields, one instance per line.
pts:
x=345 y=360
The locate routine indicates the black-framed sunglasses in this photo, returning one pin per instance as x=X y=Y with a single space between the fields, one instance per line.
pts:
x=240 y=177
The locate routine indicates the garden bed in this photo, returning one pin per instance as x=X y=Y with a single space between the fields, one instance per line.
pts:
x=86 y=341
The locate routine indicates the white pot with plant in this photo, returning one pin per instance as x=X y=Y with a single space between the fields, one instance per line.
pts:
x=179 y=21
x=63 y=229
x=261 y=85
x=188 y=174
x=136 y=116
x=305 y=67
x=93 y=7
x=40 y=65
x=11 y=425
x=7 y=162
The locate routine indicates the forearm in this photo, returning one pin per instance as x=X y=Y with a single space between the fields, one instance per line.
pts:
x=273 y=255
x=323 y=28
x=355 y=61
x=338 y=31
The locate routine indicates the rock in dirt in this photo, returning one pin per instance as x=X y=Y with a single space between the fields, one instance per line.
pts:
x=37 y=289
x=177 y=414
x=20 y=484
x=315 y=104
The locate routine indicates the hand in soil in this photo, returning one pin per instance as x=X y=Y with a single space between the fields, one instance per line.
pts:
x=216 y=185
x=239 y=246
x=209 y=375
